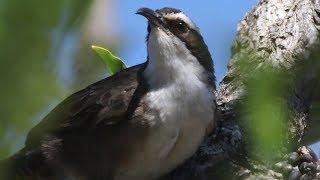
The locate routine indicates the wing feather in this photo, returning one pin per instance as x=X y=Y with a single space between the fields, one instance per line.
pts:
x=105 y=101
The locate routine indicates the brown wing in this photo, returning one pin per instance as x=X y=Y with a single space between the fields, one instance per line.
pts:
x=105 y=102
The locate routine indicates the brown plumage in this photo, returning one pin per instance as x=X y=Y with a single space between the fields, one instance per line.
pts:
x=75 y=125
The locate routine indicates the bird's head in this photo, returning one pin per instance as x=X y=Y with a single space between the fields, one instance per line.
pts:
x=172 y=35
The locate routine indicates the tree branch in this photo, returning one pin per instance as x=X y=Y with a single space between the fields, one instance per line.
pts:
x=283 y=34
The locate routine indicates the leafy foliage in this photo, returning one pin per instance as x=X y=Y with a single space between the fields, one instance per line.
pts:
x=113 y=63
x=29 y=82
x=264 y=110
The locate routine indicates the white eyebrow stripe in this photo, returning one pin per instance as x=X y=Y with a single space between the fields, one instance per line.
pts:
x=184 y=18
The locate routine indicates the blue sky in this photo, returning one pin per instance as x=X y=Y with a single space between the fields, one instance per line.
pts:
x=217 y=21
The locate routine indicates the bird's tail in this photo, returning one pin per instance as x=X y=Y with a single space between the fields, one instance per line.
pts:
x=4 y=169
x=13 y=167
x=7 y=168
x=22 y=165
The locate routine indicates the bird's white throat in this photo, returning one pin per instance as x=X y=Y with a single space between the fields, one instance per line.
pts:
x=175 y=79
x=170 y=61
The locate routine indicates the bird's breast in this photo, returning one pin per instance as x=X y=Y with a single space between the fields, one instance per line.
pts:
x=182 y=112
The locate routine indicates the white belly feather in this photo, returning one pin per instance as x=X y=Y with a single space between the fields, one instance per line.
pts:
x=186 y=109
x=185 y=112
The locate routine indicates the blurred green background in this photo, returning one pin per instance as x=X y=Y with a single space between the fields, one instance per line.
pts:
x=33 y=52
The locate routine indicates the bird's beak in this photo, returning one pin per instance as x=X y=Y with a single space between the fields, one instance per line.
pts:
x=153 y=17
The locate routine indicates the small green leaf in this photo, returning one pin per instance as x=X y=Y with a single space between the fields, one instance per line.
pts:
x=112 y=62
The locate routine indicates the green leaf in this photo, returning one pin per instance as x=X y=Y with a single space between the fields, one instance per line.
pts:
x=113 y=63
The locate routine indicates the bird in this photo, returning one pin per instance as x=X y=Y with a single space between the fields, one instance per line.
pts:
x=140 y=123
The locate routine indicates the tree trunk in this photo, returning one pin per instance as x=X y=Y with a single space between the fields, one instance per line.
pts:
x=283 y=34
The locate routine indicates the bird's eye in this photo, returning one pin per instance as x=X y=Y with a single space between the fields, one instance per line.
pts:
x=180 y=26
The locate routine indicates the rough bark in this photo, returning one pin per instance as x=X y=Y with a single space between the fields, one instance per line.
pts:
x=283 y=34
